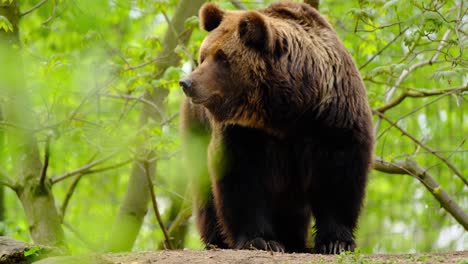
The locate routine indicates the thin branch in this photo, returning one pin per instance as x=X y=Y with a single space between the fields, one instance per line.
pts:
x=383 y=49
x=141 y=99
x=80 y=170
x=374 y=28
x=169 y=119
x=167 y=240
x=406 y=73
x=182 y=217
x=167 y=157
x=422 y=145
x=410 y=167
x=111 y=167
x=46 y=162
x=8 y=124
x=69 y=194
x=415 y=93
x=78 y=177
x=33 y=8
x=181 y=43
x=52 y=15
x=433 y=101
x=238 y=4
x=5 y=181
x=132 y=68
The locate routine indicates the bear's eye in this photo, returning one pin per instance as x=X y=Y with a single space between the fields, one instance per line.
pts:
x=220 y=56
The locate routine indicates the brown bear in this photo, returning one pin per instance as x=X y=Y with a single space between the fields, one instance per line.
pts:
x=276 y=129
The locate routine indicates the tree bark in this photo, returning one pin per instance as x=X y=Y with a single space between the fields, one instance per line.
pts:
x=410 y=167
x=2 y=188
x=135 y=203
x=35 y=196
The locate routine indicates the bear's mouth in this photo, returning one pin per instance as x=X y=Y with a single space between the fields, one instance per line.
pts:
x=198 y=101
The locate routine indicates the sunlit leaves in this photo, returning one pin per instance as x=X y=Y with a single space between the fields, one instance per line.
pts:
x=191 y=22
x=5 y=24
x=88 y=67
x=449 y=74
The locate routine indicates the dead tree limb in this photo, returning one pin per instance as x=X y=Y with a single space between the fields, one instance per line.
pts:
x=410 y=167
x=427 y=148
x=417 y=93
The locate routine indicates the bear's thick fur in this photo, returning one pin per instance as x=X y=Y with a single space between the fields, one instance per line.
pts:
x=276 y=116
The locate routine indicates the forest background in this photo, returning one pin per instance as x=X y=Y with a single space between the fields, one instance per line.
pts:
x=89 y=102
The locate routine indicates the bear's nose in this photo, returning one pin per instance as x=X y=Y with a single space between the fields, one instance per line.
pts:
x=186 y=84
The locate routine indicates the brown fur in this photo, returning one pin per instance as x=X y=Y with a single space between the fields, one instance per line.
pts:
x=283 y=103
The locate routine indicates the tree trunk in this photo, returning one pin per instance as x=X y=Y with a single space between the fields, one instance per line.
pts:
x=135 y=203
x=2 y=188
x=34 y=194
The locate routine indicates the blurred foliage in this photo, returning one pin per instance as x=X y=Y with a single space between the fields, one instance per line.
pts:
x=87 y=63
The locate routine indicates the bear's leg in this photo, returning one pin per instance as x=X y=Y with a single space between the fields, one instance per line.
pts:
x=245 y=215
x=207 y=222
x=337 y=192
x=291 y=225
x=239 y=170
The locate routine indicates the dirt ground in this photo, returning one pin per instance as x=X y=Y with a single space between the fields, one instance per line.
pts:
x=260 y=257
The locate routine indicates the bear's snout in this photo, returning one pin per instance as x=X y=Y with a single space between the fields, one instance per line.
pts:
x=186 y=84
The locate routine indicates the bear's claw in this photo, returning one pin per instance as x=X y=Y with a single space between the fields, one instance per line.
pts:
x=262 y=244
x=335 y=247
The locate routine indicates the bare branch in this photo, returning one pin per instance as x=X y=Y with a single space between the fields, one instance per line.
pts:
x=47 y=21
x=406 y=73
x=33 y=8
x=8 y=124
x=416 y=93
x=410 y=167
x=4 y=180
x=69 y=194
x=182 y=217
x=181 y=43
x=383 y=49
x=78 y=177
x=83 y=169
x=238 y=4
x=46 y=162
x=167 y=240
x=169 y=119
x=141 y=99
x=111 y=167
x=132 y=68
x=422 y=145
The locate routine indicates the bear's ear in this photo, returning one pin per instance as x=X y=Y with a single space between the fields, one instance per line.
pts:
x=254 y=31
x=210 y=16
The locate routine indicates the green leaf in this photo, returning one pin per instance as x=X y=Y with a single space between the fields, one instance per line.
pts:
x=32 y=251
x=191 y=22
x=7 y=1
x=5 y=24
x=390 y=4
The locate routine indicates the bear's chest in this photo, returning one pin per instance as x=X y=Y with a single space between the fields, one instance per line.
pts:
x=281 y=165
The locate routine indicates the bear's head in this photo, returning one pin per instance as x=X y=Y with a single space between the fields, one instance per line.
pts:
x=232 y=68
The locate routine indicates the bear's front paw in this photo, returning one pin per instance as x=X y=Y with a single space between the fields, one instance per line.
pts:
x=334 y=247
x=262 y=244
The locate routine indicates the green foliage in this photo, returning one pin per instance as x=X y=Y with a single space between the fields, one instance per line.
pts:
x=5 y=24
x=87 y=65
x=32 y=251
